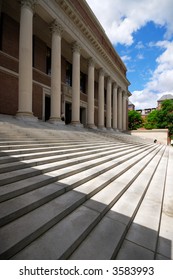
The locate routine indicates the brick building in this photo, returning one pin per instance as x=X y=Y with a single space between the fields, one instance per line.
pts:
x=55 y=59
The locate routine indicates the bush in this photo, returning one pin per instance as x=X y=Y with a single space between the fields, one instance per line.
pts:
x=135 y=120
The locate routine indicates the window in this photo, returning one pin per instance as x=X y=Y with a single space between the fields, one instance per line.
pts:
x=48 y=61
x=82 y=82
x=68 y=74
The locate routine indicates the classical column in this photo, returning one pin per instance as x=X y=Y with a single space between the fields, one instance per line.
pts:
x=108 y=103
x=120 y=107
x=101 y=99
x=25 y=59
x=115 y=107
x=76 y=84
x=56 y=31
x=125 y=110
x=90 y=108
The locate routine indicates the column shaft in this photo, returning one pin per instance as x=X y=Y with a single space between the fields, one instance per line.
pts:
x=101 y=99
x=76 y=85
x=120 y=107
x=108 y=104
x=25 y=59
x=115 y=107
x=56 y=73
x=124 y=111
x=90 y=111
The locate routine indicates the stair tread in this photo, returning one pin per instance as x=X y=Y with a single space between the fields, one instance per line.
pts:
x=58 y=235
x=165 y=239
x=36 y=222
x=76 y=193
x=62 y=202
x=89 y=185
x=57 y=168
x=45 y=159
x=112 y=228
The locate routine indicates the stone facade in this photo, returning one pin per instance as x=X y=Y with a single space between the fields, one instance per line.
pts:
x=56 y=60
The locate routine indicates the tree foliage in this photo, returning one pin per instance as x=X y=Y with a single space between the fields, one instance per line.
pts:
x=135 y=120
x=152 y=120
x=162 y=118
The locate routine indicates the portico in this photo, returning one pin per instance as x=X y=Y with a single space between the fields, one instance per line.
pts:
x=98 y=82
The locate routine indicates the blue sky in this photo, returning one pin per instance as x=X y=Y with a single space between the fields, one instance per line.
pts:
x=142 y=34
x=140 y=57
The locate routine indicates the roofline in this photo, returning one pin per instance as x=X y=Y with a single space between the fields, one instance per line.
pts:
x=86 y=8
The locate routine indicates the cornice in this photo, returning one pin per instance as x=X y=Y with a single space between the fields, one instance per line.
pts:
x=72 y=13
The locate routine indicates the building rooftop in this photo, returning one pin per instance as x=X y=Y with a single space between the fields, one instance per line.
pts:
x=166 y=96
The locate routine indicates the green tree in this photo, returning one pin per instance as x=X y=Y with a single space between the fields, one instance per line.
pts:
x=135 y=120
x=162 y=118
x=152 y=120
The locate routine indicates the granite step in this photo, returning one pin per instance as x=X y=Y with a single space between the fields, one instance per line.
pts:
x=28 y=146
x=56 y=243
x=62 y=168
x=60 y=150
x=28 y=184
x=18 y=206
x=44 y=159
x=164 y=250
x=23 y=154
x=142 y=234
x=92 y=190
x=115 y=224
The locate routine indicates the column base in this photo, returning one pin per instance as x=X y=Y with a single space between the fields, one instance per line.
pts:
x=92 y=126
x=26 y=116
x=109 y=128
x=56 y=121
x=101 y=127
x=76 y=124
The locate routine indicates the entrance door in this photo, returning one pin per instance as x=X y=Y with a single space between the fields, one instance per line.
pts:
x=47 y=107
x=83 y=116
x=67 y=113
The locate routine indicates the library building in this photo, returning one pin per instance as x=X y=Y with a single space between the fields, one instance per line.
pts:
x=58 y=65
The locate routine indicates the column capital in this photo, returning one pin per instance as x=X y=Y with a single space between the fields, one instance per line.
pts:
x=56 y=27
x=101 y=72
x=91 y=62
x=125 y=95
x=76 y=47
x=109 y=79
x=115 y=85
x=29 y=4
x=120 y=89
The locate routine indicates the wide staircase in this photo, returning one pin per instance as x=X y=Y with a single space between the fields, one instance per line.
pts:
x=70 y=193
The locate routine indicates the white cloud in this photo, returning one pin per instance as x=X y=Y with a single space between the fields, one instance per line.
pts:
x=144 y=99
x=125 y=58
x=121 y=18
x=162 y=79
x=140 y=56
x=139 y=45
x=161 y=82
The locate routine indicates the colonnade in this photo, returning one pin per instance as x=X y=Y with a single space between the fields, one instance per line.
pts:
x=116 y=118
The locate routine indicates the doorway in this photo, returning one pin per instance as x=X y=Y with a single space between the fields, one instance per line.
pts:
x=47 y=107
x=83 y=115
x=67 y=113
